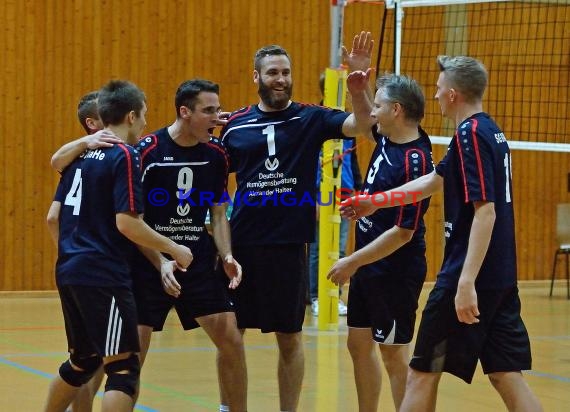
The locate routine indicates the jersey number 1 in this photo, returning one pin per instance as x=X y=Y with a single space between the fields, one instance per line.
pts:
x=508 y=176
x=73 y=197
x=270 y=132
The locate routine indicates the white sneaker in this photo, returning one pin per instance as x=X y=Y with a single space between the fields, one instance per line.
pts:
x=342 y=309
x=315 y=307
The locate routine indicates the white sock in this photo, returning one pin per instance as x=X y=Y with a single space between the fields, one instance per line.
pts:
x=224 y=408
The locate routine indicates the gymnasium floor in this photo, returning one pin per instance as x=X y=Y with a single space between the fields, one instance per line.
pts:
x=180 y=370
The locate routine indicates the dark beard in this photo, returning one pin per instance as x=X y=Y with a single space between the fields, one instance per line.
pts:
x=267 y=97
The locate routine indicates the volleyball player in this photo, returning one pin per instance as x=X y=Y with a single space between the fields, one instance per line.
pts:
x=62 y=224
x=92 y=271
x=184 y=177
x=388 y=268
x=274 y=147
x=473 y=312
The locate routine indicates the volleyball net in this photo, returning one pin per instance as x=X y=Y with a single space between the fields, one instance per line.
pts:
x=525 y=46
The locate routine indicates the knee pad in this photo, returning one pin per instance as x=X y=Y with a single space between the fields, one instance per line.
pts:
x=76 y=377
x=123 y=375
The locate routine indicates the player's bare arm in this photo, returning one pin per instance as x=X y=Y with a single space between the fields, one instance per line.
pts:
x=358 y=60
x=222 y=238
x=479 y=239
x=383 y=246
x=53 y=221
x=364 y=205
x=166 y=268
x=137 y=231
x=69 y=151
x=359 y=122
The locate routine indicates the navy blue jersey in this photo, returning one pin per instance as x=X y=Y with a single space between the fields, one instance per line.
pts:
x=67 y=220
x=180 y=183
x=477 y=167
x=104 y=182
x=392 y=165
x=275 y=157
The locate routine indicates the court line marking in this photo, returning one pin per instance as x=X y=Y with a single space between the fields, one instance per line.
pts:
x=307 y=345
x=547 y=375
x=51 y=376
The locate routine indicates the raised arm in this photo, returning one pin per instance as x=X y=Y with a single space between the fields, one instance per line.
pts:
x=360 y=56
x=359 y=122
x=358 y=83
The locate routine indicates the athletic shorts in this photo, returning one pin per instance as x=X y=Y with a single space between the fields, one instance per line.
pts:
x=386 y=303
x=101 y=320
x=500 y=340
x=271 y=296
x=202 y=294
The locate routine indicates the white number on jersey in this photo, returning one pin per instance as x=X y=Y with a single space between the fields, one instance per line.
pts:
x=374 y=169
x=73 y=197
x=270 y=132
x=507 y=162
x=185 y=180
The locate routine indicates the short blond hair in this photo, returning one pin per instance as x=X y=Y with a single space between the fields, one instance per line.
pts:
x=466 y=74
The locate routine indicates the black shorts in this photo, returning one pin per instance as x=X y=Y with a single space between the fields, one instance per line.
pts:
x=101 y=320
x=271 y=296
x=500 y=340
x=202 y=294
x=386 y=303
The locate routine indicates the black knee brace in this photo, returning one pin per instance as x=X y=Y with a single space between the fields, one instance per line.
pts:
x=88 y=366
x=123 y=375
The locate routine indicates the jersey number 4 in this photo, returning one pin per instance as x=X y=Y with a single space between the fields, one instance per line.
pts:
x=73 y=197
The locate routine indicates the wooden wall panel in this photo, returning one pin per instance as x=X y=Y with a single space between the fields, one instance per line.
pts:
x=54 y=51
x=3 y=152
x=9 y=96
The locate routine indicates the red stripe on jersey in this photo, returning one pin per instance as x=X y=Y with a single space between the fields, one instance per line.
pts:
x=238 y=114
x=130 y=177
x=462 y=166
x=407 y=167
x=312 y=105
x=424 y=166
x=147 y=149
x=478 y=157
x=226 y=161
